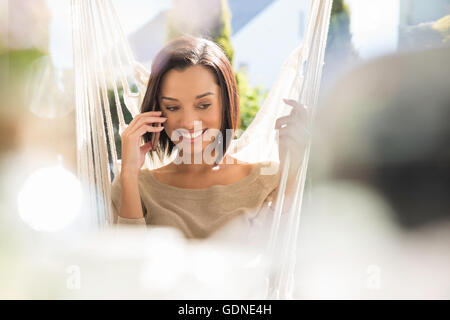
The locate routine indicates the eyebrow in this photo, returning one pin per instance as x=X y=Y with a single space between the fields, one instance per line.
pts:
x=197 y=97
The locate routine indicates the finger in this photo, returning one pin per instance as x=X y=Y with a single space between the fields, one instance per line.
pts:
x=144 y=129
x=291 y=122
x=144 y=114
x=295 y=104
x=281 y=121
x=146 y=121
x=301 y=114
x=297 y=107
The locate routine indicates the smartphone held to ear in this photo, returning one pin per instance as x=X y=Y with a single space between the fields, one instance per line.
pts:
x=155 y=136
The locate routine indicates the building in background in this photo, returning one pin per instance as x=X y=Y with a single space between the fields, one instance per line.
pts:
x=263 y=35
x=265 y=41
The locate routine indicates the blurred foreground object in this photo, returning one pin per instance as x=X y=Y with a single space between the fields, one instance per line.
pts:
x=387 y=125
x=377 y=225
x=128 y=264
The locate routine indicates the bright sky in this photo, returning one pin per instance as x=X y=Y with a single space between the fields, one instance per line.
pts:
x=373 y=24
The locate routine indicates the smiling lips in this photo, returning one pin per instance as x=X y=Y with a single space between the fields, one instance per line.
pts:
x=192 y=136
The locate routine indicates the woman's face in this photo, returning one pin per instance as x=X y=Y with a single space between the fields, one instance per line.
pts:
x=188 y=96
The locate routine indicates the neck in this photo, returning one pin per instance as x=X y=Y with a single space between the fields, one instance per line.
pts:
x=182 y=165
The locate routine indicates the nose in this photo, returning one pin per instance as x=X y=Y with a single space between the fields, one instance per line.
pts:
x=190 y=122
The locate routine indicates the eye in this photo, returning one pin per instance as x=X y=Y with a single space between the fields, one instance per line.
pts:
x=205 y=106
x=172 y=108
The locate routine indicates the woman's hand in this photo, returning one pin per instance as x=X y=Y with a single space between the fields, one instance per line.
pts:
x=293 y=134
x=133 y=154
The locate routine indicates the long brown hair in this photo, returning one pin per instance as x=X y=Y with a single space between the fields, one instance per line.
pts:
x=181 y=53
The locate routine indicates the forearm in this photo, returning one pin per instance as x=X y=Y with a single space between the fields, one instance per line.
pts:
x=130 y=203
x=291 y=185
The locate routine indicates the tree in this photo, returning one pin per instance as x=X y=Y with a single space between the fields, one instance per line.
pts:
x=339 y=52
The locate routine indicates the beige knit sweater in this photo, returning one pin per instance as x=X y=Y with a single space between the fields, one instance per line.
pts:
x=199 y=213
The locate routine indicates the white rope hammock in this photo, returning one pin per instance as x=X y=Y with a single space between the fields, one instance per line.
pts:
x=103 y=61
x=307 y=61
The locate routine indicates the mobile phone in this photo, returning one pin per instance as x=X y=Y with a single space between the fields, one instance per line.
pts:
x=154 y=135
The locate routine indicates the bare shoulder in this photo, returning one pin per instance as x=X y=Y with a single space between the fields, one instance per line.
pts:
x=238 y=168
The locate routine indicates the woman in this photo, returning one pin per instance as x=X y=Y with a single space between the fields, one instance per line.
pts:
x=191 y=104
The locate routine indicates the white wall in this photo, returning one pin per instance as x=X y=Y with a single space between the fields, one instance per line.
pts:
x=266 y=41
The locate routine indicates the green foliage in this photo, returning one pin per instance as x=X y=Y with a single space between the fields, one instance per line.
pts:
x=443 y=27
x=339 y=52
x=250 y=99
x=339 y=39
x=220 y=34
x=114 y=117
x=16 y=65
x=223 y=33
x=20 y=60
